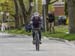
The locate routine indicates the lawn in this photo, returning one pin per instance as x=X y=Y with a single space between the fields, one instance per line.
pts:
x=60 y=32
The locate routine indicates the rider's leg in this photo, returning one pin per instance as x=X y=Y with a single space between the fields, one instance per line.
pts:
x=33 y=35
x=39 y=34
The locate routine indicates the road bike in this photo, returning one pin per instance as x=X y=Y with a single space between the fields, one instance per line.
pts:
x=37 y=41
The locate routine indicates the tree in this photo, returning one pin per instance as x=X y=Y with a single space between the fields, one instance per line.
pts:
x=66 y=9
x=16 y=14
x=48 y=2
x=71 y=14
x=22 y=13
x=25 y=13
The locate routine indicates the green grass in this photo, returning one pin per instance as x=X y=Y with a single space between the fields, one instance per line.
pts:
x=18 y=31
x=60 y=35
x=60 y=32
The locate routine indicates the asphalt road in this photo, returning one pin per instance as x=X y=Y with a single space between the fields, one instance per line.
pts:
x=22 y=46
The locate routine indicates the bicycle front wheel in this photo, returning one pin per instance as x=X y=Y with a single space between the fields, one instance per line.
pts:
x=37 y=42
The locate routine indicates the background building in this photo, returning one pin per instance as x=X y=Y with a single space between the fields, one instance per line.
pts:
x=59 y=8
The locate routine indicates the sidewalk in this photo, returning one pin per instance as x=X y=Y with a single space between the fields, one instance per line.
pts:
x=4 y=34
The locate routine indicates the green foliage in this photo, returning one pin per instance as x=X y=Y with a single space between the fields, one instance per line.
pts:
x=40 y=6
x=11 y=7
x=7 y=6
x=26 y=2
x=51 y=8
x=18 y=31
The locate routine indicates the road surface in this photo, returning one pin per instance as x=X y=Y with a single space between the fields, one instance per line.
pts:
x=22 y=46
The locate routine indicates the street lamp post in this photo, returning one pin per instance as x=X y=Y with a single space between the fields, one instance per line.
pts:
x=44 y=13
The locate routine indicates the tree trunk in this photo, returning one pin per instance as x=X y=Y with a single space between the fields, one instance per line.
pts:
x=25 y=13
x=47 y=3
x=23 y=10
x=16 y=21
x=16 y=14
x=71 y=12
x=66 y=9
x=30 y=7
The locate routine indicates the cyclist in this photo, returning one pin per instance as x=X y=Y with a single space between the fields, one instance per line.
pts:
x=36 y=24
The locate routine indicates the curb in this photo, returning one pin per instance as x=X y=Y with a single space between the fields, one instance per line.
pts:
x=69 y=43
x=63 y=40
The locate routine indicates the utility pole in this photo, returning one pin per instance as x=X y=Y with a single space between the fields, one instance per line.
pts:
x=44 y=14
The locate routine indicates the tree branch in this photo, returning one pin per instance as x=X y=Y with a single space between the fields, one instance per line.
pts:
x=53 y=2
x=30 y=7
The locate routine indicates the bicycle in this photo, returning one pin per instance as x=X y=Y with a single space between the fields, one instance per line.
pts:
x=37 y=41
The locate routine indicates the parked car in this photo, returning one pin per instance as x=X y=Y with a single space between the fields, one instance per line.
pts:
x=62 y=20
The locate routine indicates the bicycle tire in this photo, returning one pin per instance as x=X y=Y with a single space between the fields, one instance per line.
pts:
x=37 y=42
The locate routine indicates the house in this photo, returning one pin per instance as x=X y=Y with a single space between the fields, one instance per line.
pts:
x=59 y=8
